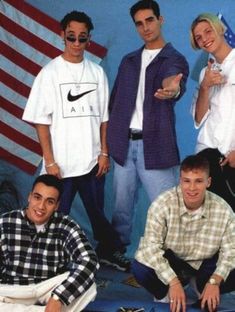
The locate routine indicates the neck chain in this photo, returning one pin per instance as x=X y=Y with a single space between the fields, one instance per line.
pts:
x=73 y=73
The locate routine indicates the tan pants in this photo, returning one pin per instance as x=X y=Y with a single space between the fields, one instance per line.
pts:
x=17 y=298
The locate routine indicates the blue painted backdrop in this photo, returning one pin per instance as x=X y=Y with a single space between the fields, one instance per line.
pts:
x=115 y=30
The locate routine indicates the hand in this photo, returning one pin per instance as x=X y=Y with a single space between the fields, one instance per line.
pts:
x=171 y=86
x=212 y=77
x=104 y=165
x=229 y=159
x=210 y=297
x=54 y=170
x=177 y=298
x=53 y=306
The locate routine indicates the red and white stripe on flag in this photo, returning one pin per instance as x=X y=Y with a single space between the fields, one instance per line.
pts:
x=29 y=40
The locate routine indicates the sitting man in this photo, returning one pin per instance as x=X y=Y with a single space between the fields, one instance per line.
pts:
x=46 y=262
x=189 y=234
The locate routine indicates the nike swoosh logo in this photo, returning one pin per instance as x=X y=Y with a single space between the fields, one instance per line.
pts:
x=72 y=98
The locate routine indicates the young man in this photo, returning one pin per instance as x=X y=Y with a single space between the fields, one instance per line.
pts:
x=213 y=108
x=141 y=131
x=46 y=261
x=68 y=104
x=190 y=233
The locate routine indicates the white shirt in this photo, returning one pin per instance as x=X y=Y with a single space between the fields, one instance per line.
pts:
x=218 y=124
x=74 y=106
x=137 y=117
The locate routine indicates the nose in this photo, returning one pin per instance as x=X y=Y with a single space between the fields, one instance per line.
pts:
x=145 y=26
x=41 y=205
x=192 y=186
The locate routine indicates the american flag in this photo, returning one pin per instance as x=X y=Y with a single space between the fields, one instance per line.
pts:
x=29 y=39
x=229 y=34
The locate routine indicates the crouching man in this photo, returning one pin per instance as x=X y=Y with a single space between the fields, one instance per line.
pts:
x=189 y=235
x=46 y=262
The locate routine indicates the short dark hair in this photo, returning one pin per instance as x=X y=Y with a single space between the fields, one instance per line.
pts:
x=76 y=16
x=193 y=162
x=49 y=180
x=145 y=4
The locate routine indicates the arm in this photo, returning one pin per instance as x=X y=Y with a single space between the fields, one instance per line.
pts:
x=44 y=137
x=175 y=73
x=210 y=79
x=103 y=158
x=226 y=262
x=151 y=251
x=83 y=263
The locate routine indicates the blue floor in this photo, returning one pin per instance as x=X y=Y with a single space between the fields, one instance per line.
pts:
x=113 y=293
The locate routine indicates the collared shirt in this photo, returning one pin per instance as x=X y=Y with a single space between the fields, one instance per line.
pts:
x=159 y=135
x=217 y=128
x=192 y=237
x=28 y=256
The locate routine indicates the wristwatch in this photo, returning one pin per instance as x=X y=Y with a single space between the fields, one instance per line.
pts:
x=213 y=281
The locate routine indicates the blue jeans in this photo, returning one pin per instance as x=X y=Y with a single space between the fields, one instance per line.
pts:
x=91 y=191
x=125 y=185
x=147 y=277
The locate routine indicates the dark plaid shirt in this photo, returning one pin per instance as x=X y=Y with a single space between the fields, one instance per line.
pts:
x=28 y=256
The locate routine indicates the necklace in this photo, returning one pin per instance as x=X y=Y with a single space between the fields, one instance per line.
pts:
x=74 y=69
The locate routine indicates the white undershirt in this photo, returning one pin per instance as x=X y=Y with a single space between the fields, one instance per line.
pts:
x=137 y=117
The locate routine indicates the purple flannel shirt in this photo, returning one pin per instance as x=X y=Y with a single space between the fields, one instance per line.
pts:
x=159 y=135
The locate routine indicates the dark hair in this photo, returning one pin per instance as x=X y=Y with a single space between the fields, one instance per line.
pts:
x=50 y=180
x=193 y=162
x=76 y=16
x=145 y=4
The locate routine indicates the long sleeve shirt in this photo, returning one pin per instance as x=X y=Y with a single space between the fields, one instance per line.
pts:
x=28 y=256
x=192 y=237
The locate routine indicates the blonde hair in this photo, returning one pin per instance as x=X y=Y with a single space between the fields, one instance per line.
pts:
x=214 y=22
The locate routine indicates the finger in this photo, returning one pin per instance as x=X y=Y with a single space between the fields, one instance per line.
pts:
x=224 y=162
x=178 y=77
x=209 y=64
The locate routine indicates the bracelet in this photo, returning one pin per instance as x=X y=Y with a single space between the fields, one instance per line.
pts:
x=104 y=154
x=178 y=282
x=50 y=165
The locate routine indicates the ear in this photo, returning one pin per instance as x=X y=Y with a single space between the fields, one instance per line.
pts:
x=209 y=182
x=62 y=34
x=29 y=196
x=161 y=19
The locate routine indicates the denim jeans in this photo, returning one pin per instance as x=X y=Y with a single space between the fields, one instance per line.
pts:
x=91 y=191
x=147 y=277
x=125 y=185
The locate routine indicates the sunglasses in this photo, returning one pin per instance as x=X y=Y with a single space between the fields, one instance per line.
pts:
x=79 y=39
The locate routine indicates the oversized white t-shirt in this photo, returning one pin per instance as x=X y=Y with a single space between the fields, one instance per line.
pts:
x=73 y=100
x=218 y=124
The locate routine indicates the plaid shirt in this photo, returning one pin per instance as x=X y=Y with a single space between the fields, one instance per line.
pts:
x=192 y=237
x=28 y=256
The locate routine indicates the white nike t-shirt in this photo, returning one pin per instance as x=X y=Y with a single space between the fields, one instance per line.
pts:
x=73 y=100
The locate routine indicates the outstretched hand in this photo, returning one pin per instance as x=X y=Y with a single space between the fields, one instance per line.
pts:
x=170 y=88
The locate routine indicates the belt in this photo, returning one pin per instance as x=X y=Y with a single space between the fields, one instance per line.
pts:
x=135 y=135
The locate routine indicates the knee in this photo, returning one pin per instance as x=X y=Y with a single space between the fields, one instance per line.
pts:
x=140 y=272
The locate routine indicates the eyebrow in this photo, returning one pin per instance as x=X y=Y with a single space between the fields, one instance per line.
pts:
x=148 y=19
x=72 y=32
x=48 y=198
